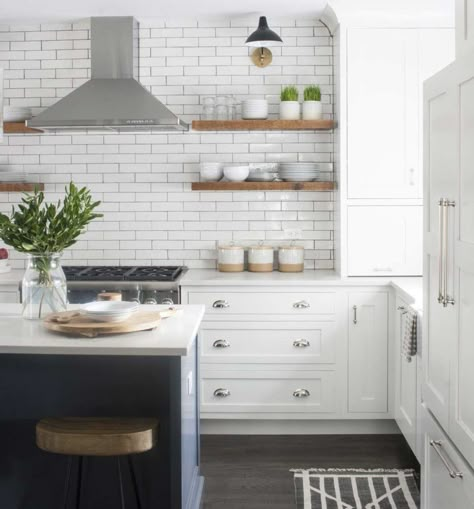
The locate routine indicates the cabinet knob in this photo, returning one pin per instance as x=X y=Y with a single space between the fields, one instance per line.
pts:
x=301 y=393
x=221 y=343
x=220 y=304
x=301 y=343
x=221 y=393
x=301 y=304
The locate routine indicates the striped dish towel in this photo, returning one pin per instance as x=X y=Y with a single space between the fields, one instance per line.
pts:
x=409 y=344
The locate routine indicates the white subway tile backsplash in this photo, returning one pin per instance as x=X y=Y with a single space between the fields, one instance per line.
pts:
x=143 y=180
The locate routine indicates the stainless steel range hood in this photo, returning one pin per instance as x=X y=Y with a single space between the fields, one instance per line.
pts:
x=112 y=99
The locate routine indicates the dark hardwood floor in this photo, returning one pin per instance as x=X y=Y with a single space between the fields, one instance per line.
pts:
x=252 y=472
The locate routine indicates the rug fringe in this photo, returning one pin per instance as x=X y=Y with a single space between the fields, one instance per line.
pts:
x=361 y=470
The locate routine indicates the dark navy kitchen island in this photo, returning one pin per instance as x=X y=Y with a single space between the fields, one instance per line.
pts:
x=146 y=374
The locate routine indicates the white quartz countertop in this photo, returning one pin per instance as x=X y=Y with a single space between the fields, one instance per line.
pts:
x=412 y=287
x=173 y=337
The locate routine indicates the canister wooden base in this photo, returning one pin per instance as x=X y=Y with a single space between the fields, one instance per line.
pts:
x=230 y=267
x=260 y=267
x=291 y=267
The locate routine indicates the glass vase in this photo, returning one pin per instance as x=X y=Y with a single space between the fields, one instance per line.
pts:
x=43 y=288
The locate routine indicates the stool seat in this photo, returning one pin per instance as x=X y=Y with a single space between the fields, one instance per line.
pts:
x=89 y=436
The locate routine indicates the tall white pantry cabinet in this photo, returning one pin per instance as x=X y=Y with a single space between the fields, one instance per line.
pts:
x=379 y=74
x=448 y=345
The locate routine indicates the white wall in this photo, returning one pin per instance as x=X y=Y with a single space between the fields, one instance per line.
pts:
x=143 y=180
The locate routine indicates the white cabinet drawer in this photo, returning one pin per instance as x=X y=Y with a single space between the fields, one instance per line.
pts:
x=442 y=488
x=304 y=342
x=297 y=304
x=270 y=391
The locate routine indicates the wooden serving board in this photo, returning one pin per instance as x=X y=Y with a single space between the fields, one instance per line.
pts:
x=72 y=322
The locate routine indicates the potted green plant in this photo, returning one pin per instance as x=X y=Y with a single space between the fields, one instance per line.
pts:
x=312 y=108
x=289 y=105
x=43 y=231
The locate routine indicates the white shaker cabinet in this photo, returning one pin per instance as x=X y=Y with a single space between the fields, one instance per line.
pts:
x=386 y=68
x=377 y=105
x=384 y=240
x=368 y=352
x=405 y=380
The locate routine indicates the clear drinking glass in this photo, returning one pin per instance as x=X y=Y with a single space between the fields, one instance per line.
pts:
x=208 y=108
x=221 y=108
x=43 y=288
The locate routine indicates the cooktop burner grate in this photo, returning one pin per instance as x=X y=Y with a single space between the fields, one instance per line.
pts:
x=112 y=273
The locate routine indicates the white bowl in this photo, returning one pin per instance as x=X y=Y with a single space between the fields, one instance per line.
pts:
x=211 y=172
x=236 y=173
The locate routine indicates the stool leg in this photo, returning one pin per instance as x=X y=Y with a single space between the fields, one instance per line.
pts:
x=134 y=481
x=66 y=484
x=79 y=482
x=119 y=468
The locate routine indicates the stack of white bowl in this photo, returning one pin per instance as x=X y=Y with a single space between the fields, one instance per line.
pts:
x=299 y=172
x=255 y=109
x=16 y=114
x=211 y=171
x=109 y=311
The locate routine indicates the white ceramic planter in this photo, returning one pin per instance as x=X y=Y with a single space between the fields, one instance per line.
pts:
x=290 y=110
x=312 y=110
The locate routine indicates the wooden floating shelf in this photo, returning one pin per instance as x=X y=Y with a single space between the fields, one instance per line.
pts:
x=14 y=187
x=262 y=186
x=18 y=128
x=262 y=125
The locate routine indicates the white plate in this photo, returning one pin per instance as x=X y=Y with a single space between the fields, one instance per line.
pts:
x=109 y=308
x=299 y=179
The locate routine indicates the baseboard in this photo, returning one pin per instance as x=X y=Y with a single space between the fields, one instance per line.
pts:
x=322 y=427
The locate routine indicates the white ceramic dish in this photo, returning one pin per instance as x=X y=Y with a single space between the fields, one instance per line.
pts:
x=109 y=311
x=236 y=173
x=211 y=172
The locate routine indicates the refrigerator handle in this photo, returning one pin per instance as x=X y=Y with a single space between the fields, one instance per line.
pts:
x=441 y=264
x=446 y=298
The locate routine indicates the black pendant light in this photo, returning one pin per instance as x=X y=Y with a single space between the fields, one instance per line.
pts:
x=263 y=37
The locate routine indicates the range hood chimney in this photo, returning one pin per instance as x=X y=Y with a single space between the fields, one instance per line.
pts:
x=113 y=98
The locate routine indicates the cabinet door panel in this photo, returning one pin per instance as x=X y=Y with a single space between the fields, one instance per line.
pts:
x=440 y=182
x=439 y=489
x=462 y=373
x=385 y=240
x=368 y=352
x=377 y=166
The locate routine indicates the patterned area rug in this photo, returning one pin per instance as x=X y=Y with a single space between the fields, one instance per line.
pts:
x=355 y=489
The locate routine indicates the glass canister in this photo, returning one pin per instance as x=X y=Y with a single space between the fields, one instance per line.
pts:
x=260 y=258
x=291 y=258
x=230 y=258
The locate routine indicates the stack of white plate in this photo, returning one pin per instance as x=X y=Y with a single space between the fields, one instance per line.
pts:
x=255 y=109
x=299 y=172
x=16 y=114
x=109 y=311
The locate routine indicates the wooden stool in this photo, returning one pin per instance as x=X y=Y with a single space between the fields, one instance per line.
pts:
x=84 y=436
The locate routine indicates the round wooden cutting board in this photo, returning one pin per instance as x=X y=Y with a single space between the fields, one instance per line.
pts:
x=72 y=322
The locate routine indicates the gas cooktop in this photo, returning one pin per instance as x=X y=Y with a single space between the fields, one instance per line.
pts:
x=112 y=273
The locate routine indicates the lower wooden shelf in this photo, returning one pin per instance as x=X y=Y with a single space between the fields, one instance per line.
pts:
x=263 y=186
x=15 y=187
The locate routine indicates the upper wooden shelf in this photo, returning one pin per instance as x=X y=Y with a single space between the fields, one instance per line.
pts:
x=14 y=187
x=262 y=125
x=262 y=186
x=18 y=128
